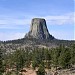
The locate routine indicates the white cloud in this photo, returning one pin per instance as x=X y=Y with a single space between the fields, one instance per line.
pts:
x=14 y=21
x=61 y=19
x=51 y=20
x=62 y=35
x=11 y=36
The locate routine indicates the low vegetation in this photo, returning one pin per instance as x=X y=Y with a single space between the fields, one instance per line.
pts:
x=60 y=58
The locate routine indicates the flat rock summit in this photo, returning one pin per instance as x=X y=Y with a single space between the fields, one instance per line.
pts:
x=38 y=29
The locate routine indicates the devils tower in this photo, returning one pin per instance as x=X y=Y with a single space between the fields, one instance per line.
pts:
x=38 y=30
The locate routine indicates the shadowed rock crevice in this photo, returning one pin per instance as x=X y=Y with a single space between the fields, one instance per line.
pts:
x=38 y=30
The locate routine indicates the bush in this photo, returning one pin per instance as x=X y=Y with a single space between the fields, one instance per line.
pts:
x=41 y=70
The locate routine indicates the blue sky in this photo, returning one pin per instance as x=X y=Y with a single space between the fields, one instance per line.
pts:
x=16 y=15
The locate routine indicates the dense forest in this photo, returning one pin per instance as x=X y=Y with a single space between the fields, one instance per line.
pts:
x=61 y=57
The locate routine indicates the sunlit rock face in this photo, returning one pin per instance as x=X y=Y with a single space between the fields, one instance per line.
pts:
x=38 y=29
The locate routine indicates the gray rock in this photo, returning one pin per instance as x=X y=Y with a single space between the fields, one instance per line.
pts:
x=38 y=30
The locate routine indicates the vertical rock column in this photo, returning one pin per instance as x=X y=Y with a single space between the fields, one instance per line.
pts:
x=38 y=29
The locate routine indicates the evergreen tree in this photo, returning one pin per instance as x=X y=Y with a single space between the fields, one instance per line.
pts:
x=41 y=70
x=19 y=59
x=64 y=59
x=55 y=55
x=1 y=63
x=72 y=49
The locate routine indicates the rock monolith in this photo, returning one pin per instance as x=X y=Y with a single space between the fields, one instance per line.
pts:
x=38 y=29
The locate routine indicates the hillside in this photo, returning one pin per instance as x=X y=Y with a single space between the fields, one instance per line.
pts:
x=38 y=53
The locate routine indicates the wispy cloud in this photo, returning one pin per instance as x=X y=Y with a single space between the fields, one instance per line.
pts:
x=14 y=21
x=11 y=36
x=63 y=35
x=51 y=20
x=61 y=19
x=10 y=22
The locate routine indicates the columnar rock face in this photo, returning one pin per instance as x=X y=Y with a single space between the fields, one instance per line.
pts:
x=38 y=30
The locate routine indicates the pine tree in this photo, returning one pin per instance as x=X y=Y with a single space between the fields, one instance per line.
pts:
x=64 y=59
x=55 y=55
x=19 y=59
x=41 y=70
x=72 y=61
x=1 y=63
